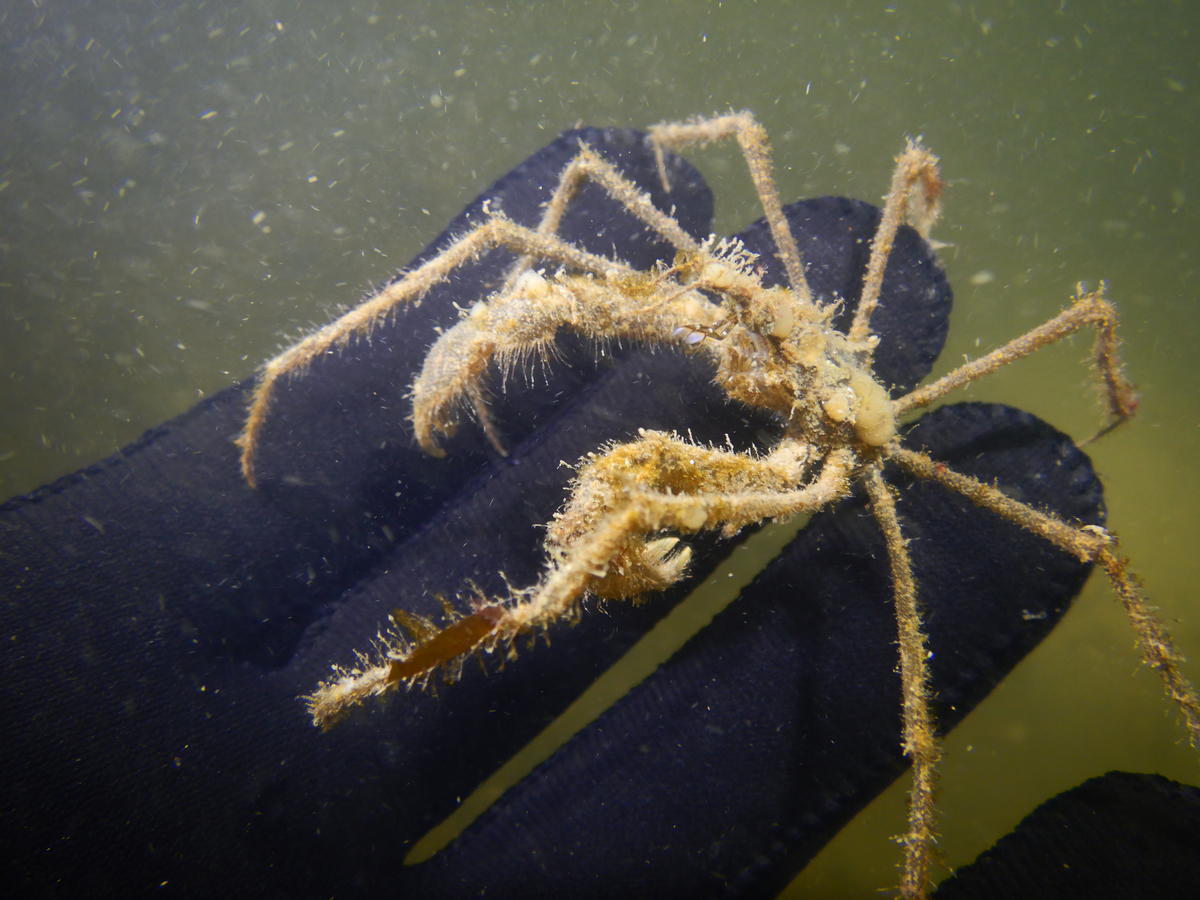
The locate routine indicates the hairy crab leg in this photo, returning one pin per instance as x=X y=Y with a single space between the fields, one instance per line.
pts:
x=1085 y=309
x=524 y=320
x=588 y=165
x=496 y=232
x=571 y=574
x=916 y=165
x=756 y=149
x=1088 y=543
x=920 y=741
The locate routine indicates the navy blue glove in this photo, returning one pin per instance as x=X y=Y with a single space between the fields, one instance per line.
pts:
x=162 y=619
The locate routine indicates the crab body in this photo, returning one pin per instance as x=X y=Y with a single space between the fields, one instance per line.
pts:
x=816 y=364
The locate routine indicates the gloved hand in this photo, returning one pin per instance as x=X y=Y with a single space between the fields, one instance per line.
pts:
x=162 y=618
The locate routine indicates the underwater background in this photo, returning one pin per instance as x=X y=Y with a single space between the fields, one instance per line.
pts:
x=185 y=187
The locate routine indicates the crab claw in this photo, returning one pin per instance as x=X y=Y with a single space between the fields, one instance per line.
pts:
x=643 y=568
x=450 y=375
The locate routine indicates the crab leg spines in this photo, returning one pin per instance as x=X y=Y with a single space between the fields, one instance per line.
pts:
x=654 y=465
x=589 y=164
x=586 y=166
x=920 y=742
x=334 y=699
x=1087 y=543
x=580 y=565
x=913 y=197
x=496 y=232
x=1154 y=641
x=1085 y=309
x=1120 y=393
x=525 y=319
x=459 y=358
x=756 y=149
x=573 y=572
x=1084 y=543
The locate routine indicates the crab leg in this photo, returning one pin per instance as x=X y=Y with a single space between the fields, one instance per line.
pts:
x=756 y=149
x=914 y=166
x=1085 y=309
x=920 y=742
x=1088 y=543
x=620 y=520
x=496 y=232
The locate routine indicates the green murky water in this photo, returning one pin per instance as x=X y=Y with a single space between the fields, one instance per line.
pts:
x=181 y=189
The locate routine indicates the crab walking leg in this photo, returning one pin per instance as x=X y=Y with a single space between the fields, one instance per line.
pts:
x=1085 y=309
x=571 y=575
x=496 y=232
x=524 y=320
x=920 y=742
x=756 y=149
x=915 y=165
x=586 y=166
x=1158 y=650
x=1088 y=543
